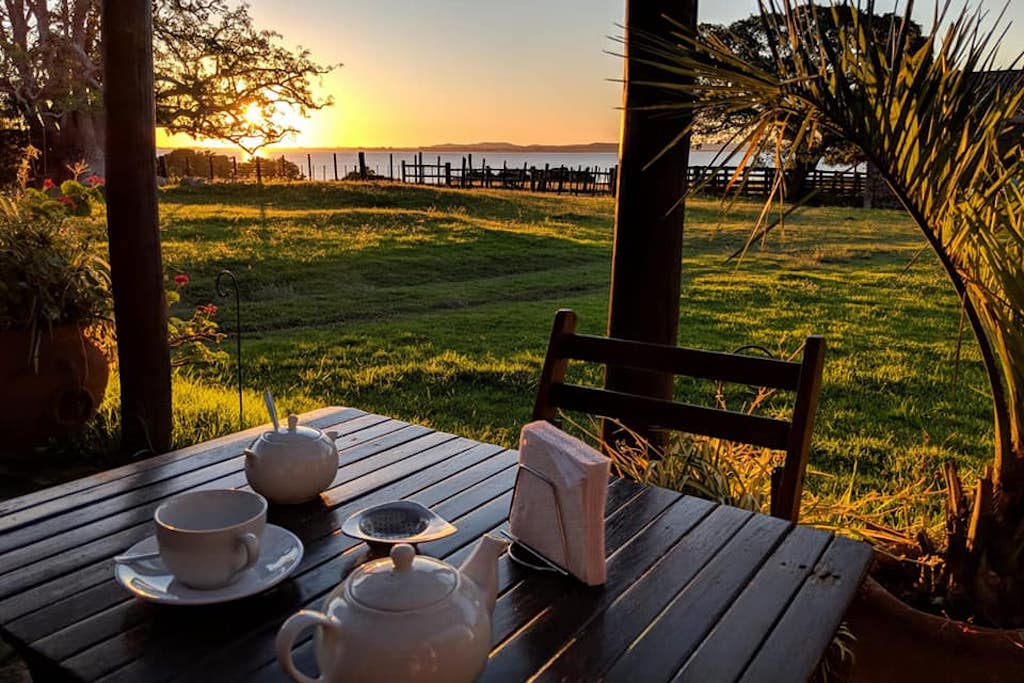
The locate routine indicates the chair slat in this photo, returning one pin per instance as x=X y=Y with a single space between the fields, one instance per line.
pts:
x=684 y=417
x=713 y=365
x=634 y=405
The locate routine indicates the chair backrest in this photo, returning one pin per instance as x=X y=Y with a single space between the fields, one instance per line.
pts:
x=792 y=436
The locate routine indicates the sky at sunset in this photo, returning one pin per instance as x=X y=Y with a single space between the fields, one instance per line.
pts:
x=524 y=71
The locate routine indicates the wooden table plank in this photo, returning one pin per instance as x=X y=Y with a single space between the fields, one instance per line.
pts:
x=526 y=600
x=33 y=506
x=167 y=652
x=695 y=591
x=78 y=632
x=307 y=517
x=627 y=501
x=671 y=636
x=38 y=621
x=65 y=558
x=792 y=649
x=727 y=649
x=317 y=531
x=603 y=641
x=70 y=529
x=527 y=650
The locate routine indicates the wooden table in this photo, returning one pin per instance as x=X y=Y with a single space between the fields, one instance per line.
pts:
x=695 y=591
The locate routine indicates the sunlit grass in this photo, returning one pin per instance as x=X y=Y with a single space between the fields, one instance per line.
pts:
x=435 y=306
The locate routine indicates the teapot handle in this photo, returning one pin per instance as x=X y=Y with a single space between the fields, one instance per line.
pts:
x=296 y=624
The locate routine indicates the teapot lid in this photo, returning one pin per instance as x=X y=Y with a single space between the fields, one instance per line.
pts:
x=402 y=582
x=294 y=434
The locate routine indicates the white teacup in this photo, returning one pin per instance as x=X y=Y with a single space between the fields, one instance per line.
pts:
x=207 y=538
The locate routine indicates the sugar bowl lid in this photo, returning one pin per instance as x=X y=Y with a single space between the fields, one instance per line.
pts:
x=402 y=582
x=295 y=434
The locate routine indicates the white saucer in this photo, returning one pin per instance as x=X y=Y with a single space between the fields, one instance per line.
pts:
x=148 y=579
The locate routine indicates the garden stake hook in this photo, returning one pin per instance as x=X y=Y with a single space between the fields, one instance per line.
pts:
x=223 y=292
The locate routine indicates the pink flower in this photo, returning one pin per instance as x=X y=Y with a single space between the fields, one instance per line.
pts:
x=47 y=184
x=209 y=310
x=95 y=181
x=181 y=280
x=67 y=201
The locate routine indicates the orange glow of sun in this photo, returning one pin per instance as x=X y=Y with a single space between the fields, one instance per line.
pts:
x=254 y=115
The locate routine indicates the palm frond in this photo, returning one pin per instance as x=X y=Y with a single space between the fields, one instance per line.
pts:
x=921 y=109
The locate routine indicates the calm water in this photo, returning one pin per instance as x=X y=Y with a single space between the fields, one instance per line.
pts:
x=378 y=162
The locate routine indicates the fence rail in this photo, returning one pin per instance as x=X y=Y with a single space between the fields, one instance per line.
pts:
x=567 y=179
x=832 y=187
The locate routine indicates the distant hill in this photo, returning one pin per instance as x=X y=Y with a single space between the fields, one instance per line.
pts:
x=506 y=147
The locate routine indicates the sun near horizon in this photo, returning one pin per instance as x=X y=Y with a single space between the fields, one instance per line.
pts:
x=450 y=71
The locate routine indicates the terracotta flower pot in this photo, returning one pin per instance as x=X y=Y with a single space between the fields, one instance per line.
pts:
x=58 y=397
x=896 y=642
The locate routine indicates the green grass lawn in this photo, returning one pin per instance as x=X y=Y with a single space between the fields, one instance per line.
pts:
x=435 y=306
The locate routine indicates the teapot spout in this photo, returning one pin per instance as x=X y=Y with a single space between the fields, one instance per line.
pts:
x=250 y=457
x=481 y=567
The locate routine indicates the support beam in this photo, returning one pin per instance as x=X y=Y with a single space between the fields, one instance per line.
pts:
x=140 y=310
x=647 y=251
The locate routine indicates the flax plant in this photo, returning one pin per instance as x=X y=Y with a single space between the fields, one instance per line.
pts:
x=940 y=127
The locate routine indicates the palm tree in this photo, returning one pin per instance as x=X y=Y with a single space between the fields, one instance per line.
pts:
x=923 y=111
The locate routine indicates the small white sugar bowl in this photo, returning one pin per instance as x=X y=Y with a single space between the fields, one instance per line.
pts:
x=294 y=465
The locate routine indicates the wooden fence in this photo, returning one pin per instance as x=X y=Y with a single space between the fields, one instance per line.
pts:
x=833 y=187
x=562 y=179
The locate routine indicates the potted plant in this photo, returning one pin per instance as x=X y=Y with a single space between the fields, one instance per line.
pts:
x=55 y=313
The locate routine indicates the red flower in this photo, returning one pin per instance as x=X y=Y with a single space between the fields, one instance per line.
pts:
x=47 y=184
x=209 y=310
x=181 y=280
x=68 y=201
x=95 y=181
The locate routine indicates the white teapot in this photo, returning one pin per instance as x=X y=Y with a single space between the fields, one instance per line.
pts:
x=292 y=466
x=406 y=617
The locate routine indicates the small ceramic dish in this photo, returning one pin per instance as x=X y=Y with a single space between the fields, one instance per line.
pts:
x=400 y=521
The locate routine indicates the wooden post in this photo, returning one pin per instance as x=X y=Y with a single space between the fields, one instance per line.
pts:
x=447 y=174
x=161 y=167
x=188 y=167
x=647 y=248
x=259 y=173
x=334 y=156
x=362 y=165
x=209 y=159
x=612 y=179
x=462 y=176
x=234 y=169
x=136 y=269
x=391 y=166
x=309 y=166
x=403 y=170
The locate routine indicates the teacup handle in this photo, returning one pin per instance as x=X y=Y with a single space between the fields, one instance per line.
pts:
x=296 y=624
x=252 y=550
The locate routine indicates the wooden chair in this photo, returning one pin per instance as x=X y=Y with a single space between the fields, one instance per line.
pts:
x=793 y=437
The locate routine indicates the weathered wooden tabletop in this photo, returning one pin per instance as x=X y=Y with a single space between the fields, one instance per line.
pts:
x=695 y=591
